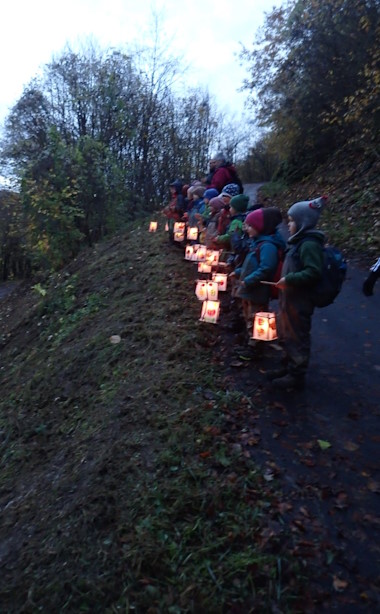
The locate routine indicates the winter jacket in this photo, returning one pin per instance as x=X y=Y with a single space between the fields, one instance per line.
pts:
x=220 y=178
x=260 y=264
x=198 y=207
x=303 y=262
x=235 y=227
x=175 y=209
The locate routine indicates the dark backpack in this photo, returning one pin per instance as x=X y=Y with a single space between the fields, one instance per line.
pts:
x=235 y=177
x=278 y=271
x=334 y=272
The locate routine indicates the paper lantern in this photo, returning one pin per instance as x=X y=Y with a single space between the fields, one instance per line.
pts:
x=189 y=251
x=152 y=226
x=212 y=290
x=212 y=257
x=264 y=326
x=179 y=231
x=192 y=233
x=206 y=290
x=210 y=311
x=201 y=290
x=221 y=279
x=203 y=267
x=201 y=253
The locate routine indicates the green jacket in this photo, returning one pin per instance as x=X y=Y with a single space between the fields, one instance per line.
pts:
x=303 y=262
x=235 y=226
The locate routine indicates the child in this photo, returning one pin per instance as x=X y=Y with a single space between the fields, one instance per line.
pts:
x=198 y=204
x=370 y=281
x=238 y=207
x=260 y=264
x=301 y=270
x=202 y=218
x=216 y=205
x=175 y=209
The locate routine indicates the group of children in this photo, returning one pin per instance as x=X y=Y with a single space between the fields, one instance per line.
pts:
x=256 y=241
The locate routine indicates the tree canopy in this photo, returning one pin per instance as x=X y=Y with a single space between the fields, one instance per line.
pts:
x=315 y=77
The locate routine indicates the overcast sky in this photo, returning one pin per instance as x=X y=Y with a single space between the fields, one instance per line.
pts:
x=206 y=32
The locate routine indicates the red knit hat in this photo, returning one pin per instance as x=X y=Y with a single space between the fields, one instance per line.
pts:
x=256 y=220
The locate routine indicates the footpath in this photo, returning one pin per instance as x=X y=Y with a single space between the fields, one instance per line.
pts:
x=322 y=444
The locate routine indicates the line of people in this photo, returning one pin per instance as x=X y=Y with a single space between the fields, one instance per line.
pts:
x=256 y=240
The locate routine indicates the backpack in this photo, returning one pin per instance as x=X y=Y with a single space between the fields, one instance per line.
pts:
x=278 y=271
x=334 y=272
x=235 y=177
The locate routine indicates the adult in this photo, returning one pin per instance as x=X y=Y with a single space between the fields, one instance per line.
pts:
x=222 y=173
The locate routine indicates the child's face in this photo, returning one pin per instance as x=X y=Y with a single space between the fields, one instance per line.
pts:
x=226 y=199
x=291 y=226
x=252 y=232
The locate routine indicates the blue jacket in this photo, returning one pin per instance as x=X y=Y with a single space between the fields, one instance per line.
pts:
x=198 y=207
x=259 y=264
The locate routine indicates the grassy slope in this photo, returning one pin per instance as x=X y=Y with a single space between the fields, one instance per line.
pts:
x=352 y=218
x=118 y=488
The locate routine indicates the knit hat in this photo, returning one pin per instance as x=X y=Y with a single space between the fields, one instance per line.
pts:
x=198 y=191
x=306 y=213
x=231 y=189
x=272 y=218
x=210 y=193
x=219 y=156
x=256 y=220
x=177 y=184
x=216 y=204
x=239 y=202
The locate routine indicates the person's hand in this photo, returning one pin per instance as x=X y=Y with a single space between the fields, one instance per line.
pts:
x=281 y=284
x=232 y=274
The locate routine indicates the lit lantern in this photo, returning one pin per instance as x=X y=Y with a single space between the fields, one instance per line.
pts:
x=212 y=257
x=152 y=226
x=201 y=290
x=203 y=267
x=167 y=227
x=189 y=250
x=221 y=279
x=212 y=290
x=192 y=233
x=264 y=326
x=201 y=253
x=210 y=312
x=179 y=231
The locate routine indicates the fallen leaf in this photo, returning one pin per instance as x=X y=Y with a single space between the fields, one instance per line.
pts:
x=339 y=584
x=373 y=486
x=324 y=445
x=205 y=454
x=351 y=446
x=236 y=364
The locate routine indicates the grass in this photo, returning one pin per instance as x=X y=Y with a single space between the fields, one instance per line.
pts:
x=122 y=491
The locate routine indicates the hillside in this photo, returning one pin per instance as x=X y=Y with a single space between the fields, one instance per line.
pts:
x=117 y=484
x=352 y=218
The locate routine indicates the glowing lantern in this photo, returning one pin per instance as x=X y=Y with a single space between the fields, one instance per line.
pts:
x=203 y=267
x=206 y=290
x=264 y=326
x=212 y=257
x=201 y=290
x=152 y=226
x=166 y=227
x=179 y=231
x=210 y=312
x=221 y=279
x=200 y=253
x=212 y=290
x=192 y=233
x=189 y=251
